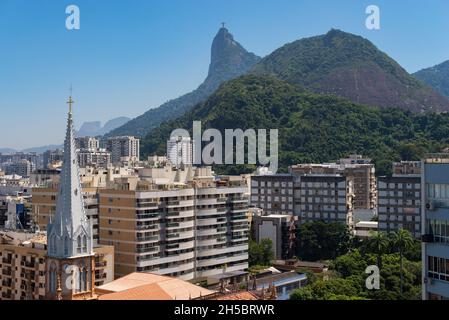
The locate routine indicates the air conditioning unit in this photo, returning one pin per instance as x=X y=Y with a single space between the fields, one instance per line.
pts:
x=430 y=205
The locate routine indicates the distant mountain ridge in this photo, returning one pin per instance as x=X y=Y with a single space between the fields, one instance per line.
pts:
x=437 y=77
x=94 y=128
x=352 y=67
x=41 y=149
x=228 y=61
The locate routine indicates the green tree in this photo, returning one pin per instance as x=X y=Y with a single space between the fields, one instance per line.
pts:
x=378 y=244
x=302 y=294
x=349 y=264
x=322 y=241
x=260 y=254
x=266 y=246
x=402 y=241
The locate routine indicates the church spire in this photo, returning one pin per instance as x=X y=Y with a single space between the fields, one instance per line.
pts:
x=70 y=233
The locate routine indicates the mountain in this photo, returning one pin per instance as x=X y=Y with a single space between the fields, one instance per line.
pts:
x=7 y=150
x=437 y=77
x=42 y=149
x=352 y=67
x=312 y=127
x=94 y=128
x=228 y=60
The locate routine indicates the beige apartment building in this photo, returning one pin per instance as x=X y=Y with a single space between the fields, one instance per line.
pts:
x=176 y=222
x=45 y=194
x=23 y=258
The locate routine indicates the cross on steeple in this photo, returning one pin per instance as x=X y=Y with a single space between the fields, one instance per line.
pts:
x=70 y=102
x=223 y=24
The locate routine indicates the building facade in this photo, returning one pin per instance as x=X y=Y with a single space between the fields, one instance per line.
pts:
x=124 y=149
x=98 y=158
x=399 y=200
x=180 y=151
x=435 y=226
x=87 y=143
x=23 y=260
x=274 y=194
x=327 y=197
x=279 y=229
x=188 y=230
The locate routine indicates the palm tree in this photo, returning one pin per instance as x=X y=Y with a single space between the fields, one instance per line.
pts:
x=378 y=244
x=403 y=241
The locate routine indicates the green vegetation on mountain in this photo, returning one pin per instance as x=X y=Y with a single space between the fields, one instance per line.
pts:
x=312 y=127
x=437 y=77
x=352 y=67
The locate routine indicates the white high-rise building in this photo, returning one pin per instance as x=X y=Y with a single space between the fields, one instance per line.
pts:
x=180 y=151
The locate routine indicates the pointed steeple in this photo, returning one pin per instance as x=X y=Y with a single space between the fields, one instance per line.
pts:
x=70 y=233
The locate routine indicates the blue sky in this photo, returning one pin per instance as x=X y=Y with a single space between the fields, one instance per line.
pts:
x=130 y=56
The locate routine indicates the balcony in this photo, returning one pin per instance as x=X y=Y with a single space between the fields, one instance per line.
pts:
x=6 y=272
x=148 y=239
x=7 y=260
x=153 y=227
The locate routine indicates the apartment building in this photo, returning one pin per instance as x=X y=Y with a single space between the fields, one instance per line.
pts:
x=435 y=226
x=52 y=157
x=22 y=167
x=124 y=149
x=15 y=212
x=87 y=143
x=327 y=197
x=99 y=158
x=274 y=194
x=359 y=169
x=177 y=222
x=180 y=151
x=280 y=229
x=45 y=194
x=399 y=199
x=44 y=202
x=23 y=259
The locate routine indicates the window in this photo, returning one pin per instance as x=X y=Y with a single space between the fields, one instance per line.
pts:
x=438 y=268
x=78 y=242
x=53 y=243
x=66 y=246
x=84 y=243
x=439 y=192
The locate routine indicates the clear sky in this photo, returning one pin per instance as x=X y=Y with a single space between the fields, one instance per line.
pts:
x=132 y=55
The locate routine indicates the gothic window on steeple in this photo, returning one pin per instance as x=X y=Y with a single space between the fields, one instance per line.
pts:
x=66 y=246
x=78 y=242
x=84 y=244
x=53 y=243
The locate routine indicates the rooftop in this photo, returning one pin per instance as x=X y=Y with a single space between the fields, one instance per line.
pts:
x=148 y=286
